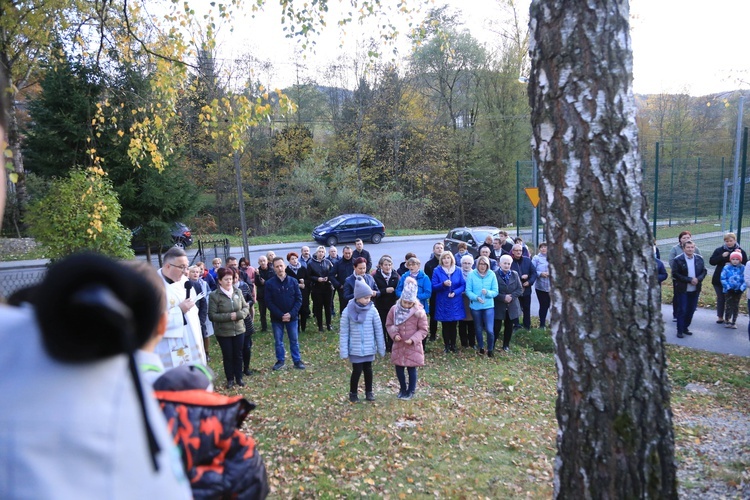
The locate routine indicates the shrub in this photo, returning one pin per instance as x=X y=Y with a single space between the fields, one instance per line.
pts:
x=80 y=213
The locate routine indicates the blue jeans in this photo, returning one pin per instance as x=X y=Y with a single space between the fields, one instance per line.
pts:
x=686 y=303
x=484 y=319
x=278 y=337
x=412 y=370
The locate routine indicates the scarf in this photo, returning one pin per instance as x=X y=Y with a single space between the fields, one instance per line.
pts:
x=401 y=313
x=505 y=276
x=386 y=276
x=228 y=293
x=295 y=268
x=357 y=312
x=449 y=270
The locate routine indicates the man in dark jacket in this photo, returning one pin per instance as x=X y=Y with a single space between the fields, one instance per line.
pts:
x=359 y=251
x=284 y=299
x=527 y=272
x=429 y=268
x=688 y=272
x=342 y=270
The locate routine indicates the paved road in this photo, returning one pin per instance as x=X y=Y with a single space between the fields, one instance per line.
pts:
x=707 y=334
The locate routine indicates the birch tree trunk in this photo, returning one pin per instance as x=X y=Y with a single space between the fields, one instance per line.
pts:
x=615 y=437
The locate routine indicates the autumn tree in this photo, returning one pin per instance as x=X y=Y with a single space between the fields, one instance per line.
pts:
x=447 y=63
x=615 y=437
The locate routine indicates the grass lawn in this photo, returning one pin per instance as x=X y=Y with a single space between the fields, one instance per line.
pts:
x=477 y=428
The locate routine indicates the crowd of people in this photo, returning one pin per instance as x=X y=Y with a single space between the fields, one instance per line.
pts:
x=730 y=279
x=471 y=302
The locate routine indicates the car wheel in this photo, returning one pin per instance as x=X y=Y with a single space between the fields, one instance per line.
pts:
x=179 y=244
x=376 y=238
x=331 y=241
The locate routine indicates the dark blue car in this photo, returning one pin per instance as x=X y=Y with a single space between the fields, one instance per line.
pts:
x=349 y=227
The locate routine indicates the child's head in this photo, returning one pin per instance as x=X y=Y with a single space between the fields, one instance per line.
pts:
x=735 y=258
x=409 y=293
x=362 y=292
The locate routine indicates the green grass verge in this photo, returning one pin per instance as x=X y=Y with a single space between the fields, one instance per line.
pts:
x=478 y=426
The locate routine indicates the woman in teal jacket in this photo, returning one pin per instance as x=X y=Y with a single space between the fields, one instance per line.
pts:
x=481 y=289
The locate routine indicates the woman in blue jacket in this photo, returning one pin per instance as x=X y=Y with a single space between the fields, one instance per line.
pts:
x=448 y=283
x=481 y=288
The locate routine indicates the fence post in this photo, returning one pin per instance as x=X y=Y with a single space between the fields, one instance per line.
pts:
x=742 y=186
x=697 y=189
x=656 y=187
x=671 y=193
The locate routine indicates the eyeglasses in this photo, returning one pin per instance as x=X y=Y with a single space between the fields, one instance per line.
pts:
x=182 y=268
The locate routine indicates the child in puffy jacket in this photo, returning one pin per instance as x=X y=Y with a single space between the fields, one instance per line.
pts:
x=407 y=325
x=733 y=284
x=360 y=338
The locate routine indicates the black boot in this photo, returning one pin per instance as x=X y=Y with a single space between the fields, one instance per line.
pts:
x=353 y=397
x=370 y=396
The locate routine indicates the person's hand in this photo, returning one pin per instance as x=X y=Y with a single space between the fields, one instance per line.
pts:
x=447 y=283
x=389 y=289
x=480 y=300
x=286 y=318
x=451 y=295
x=694 y=281
x=508 y=299
x=484 y=292
x=725 y=254
x=186 y=305
x=525 y=277
x=397 y=338
x=233 y=316
x=525 y=284
x=409 y=342
x=374 y=294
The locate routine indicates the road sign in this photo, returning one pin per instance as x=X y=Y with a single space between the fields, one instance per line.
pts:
x=533 y=194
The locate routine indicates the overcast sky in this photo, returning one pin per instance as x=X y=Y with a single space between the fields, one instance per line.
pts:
x=693 y=46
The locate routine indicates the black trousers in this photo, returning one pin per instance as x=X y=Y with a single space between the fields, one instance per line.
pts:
x=262 y=312
x=507 y=325
x=247 y=350
x=449 y=334
x=321 y=299
x=525 y=301
x=544 y=302
x=357 y=369
x=231 y=354
x=466 y=333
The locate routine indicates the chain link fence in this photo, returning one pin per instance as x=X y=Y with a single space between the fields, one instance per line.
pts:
x=693 y=194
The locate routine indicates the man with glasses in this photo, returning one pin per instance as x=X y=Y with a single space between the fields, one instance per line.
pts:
x=183 y=340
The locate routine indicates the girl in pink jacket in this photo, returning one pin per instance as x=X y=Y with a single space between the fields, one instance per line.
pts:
x=407 y=325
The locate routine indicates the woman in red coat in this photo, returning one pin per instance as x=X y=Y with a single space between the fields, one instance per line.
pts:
x=407 y=325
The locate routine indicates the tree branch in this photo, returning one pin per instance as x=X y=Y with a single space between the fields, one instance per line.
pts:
x=143 y=44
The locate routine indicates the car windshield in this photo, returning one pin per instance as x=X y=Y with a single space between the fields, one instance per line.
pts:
x=335 y=221
x=481 y=234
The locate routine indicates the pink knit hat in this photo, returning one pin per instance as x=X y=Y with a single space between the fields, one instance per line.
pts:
x=736 y=255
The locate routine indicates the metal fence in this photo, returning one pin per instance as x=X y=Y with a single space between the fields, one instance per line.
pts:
x=694 y=194
x=13 y=281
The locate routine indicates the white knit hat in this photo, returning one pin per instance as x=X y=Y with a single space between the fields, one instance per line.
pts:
x=409 y=292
